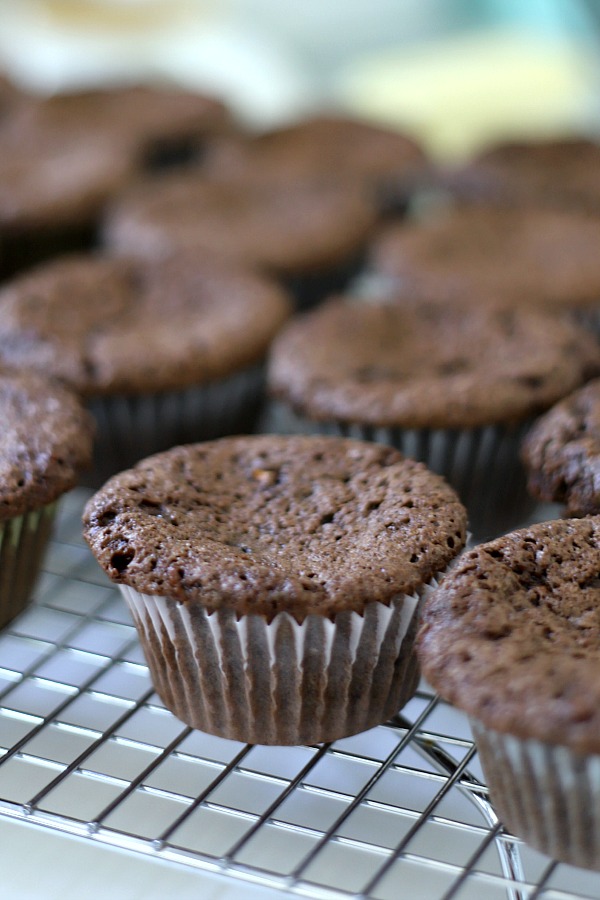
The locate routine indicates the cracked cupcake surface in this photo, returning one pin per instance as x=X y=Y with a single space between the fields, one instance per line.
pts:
x=270 y=524
x=105 y=326
x=562 y=453
x=384 y=364
x=512 y=636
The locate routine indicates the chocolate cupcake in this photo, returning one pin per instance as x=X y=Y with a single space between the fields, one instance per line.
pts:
x=477 y=255
x=274 y=581
x=512 y=637
x=390 y=164
x=52 y=192
x=561 y=173
x=162 y=352
x=309 y=235
x=562 y=453
x=454 y=387
x=152 y=126
x=64 y=157
x=45 y=443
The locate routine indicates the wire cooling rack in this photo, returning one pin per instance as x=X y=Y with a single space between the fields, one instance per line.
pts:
x=87 y=748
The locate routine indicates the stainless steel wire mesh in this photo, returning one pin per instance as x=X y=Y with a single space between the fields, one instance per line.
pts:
x=86 y=747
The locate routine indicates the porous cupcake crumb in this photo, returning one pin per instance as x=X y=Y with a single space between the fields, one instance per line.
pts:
x=108 y=326
x=45 y=442
x=387 y=365
x=512 y=636
x=268 y=524
x=562 y=453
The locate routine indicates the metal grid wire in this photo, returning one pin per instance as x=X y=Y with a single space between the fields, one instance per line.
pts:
x=86 y=747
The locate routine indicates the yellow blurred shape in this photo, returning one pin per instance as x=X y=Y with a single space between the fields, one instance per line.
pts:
x=114 y=14
x=462 y=93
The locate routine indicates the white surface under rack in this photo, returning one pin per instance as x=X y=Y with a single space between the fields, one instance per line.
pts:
x=87 y=749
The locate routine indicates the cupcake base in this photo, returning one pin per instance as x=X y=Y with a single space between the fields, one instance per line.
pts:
x=131 y=427
x=279 y=683
x=23 y=541
x=547 y=795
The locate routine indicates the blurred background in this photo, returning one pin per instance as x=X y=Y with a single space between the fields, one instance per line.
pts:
x=458 y=73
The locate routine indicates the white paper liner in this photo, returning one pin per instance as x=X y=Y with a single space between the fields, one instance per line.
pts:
x=482 y=464
x=131 y=427
x=23 y=540
x=545 y=794
x=283 y=682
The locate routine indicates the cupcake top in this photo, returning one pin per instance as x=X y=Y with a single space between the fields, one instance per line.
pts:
x=512 y=636
x=45 y=442
x=327 y=146
x=282 y=228
x=49 y=183
x=474 y=253
x=423 y=366
x=63 y=157
x=562 y=173
x=114 y=325
x=139 y=119
x=270 y=524
x=562 y=453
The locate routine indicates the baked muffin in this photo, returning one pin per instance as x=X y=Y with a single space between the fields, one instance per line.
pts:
x=476 y=255
x=562 y=453
x=562 y=173
x=454 y=387
x=52 y=192
x=512 y=637
x=274 y=581
x=45 y=443
x=161 y=351
x=392 y=165
x=152 y=126
x=310 y=235
x=62 y=158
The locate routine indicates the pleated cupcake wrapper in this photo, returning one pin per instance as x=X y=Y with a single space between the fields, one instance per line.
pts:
x=482 y=464
x=547 y=795
x=279 y=682
x=23 y=540
x=131 y=427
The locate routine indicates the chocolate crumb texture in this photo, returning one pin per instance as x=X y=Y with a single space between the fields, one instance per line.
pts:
x=266 y=524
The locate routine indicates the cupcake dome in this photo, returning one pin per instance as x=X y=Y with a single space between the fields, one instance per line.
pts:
x=476 y=255
x=45 y=444
x=309 y=234
x=562 y=453
x=561 y=173
x=329 y=147
x=386 y=365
